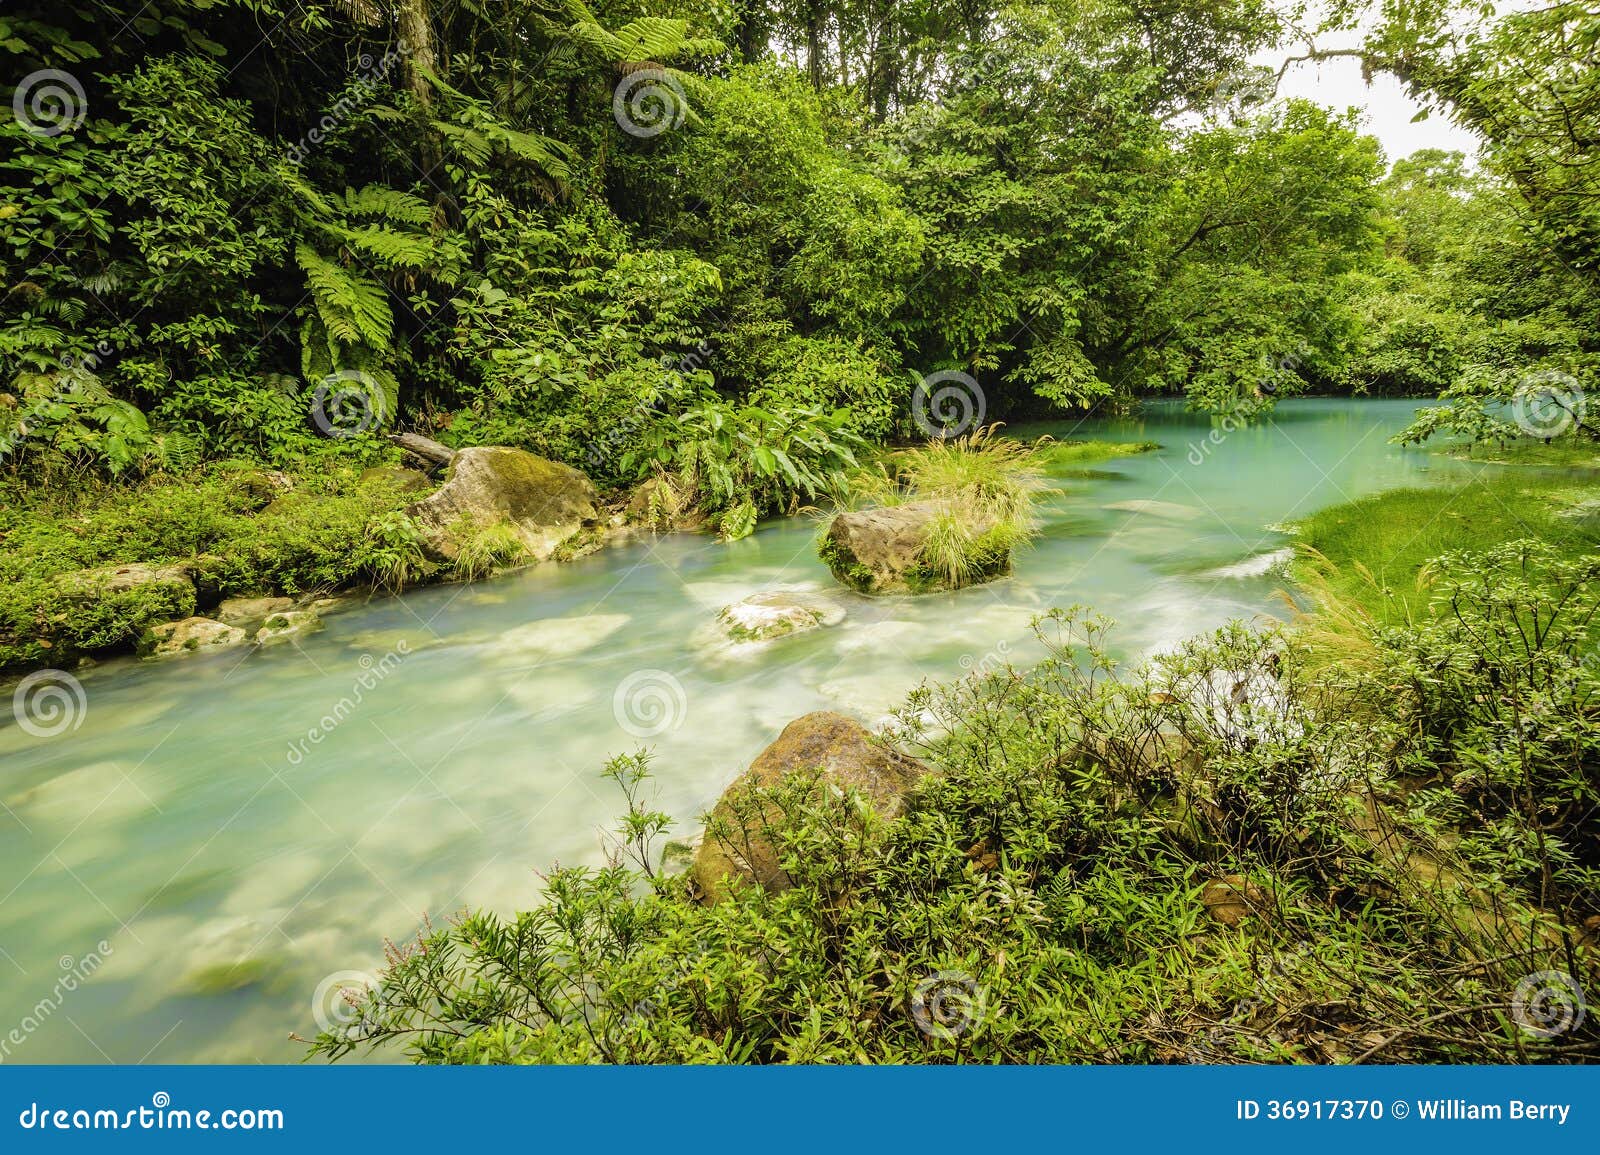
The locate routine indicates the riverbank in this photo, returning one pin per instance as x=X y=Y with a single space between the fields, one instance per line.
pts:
x=1072 y=863
x=194 y=798
x=235 y=531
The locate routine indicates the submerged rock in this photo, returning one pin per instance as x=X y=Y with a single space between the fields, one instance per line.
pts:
x=287 y=624
x=188 y=636
x=544 y=502
x=883 y=550
x=1167 y=510
x=736 y=849
x=776 y=614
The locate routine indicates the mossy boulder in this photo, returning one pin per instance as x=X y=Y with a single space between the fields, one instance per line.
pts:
x=51 y=619
x=189 y=636
x=736 y=848
x=93 y=584
x=883 y=551
x=287 y=624
x=544 y=502
x=248 y=612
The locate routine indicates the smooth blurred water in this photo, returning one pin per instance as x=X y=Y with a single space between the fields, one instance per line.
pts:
x=229 y=871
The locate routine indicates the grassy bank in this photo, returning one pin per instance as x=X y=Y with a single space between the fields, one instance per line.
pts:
x=1373 y=552
x=235 y=529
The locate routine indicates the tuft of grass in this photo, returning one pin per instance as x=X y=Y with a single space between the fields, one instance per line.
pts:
x=992 y=478
x=985 y=487
x=488 y=548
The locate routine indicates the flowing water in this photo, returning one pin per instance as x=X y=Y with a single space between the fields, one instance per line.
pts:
x=215 y=836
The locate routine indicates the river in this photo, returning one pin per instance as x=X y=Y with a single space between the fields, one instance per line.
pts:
x=182 y=870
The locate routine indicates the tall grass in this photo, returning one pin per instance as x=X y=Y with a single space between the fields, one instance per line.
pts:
x=985 y=487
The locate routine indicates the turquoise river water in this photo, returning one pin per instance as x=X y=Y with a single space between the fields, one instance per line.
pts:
x=192 y=867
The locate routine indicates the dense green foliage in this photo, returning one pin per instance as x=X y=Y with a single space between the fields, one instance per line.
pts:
x=721 y=251
x=574 y=230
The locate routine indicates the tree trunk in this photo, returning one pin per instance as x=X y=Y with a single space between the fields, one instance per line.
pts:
x=421 y=61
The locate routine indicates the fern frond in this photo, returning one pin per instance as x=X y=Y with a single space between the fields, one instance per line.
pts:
x=353 y=309
x=391 y=204
x=388 y=246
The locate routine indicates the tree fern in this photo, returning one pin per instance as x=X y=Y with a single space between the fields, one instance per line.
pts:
x=353 y=309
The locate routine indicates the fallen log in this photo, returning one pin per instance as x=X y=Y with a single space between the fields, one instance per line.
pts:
x=424 y=447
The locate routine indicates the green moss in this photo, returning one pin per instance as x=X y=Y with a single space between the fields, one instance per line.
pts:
x=1057 y=454
x=321 y=535
x=843 y=565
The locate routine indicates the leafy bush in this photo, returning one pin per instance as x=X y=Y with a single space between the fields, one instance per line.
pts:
x=738 y=462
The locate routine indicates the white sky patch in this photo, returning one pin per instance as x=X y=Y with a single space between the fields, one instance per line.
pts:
x=1386 y=106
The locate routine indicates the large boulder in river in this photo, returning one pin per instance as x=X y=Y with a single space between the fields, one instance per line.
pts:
x=544 y=502
x=737 y=847
x=883 y=550
x=248 y=612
